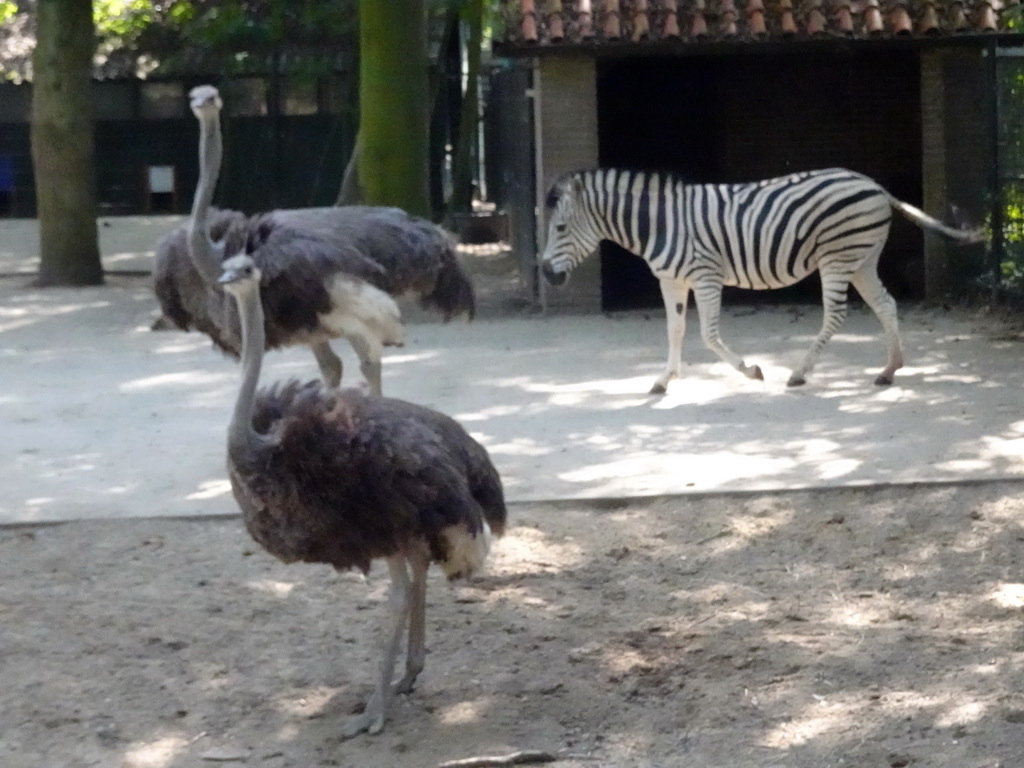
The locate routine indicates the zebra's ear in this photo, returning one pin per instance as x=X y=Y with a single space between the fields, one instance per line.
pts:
x=577 y=185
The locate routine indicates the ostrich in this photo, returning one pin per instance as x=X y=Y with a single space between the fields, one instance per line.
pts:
x=398 y=254
x=342 y=477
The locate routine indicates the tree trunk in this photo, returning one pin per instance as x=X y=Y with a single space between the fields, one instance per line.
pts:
x=394 y=125
x=462 y=161
x=63 y=143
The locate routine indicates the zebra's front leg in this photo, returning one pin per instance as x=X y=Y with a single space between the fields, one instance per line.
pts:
x=709 y=308
x=675 y=296
x=833 y=298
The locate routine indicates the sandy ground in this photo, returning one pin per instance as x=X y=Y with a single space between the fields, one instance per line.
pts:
x=104 y=418
x=873 y=619
x=820 y=628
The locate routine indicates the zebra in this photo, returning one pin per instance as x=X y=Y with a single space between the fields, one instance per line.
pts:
x=760 y=235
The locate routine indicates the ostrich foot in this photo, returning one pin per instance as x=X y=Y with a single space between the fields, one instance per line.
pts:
x=883 y=380
x=368 y=722
x=752 y=372
x=406 y=685
x=162 y=323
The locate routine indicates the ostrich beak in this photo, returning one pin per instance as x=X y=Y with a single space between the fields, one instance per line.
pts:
x=229 y=276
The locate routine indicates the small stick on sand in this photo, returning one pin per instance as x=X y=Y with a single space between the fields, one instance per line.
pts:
x=523 y=757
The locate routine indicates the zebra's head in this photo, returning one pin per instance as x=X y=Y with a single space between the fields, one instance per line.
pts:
x=570 y=237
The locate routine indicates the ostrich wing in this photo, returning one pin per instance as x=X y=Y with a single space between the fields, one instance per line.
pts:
x=410 y=250
x=299 y=270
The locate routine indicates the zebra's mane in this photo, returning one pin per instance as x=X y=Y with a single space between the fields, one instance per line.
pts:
x=562 y=182
x=556 y=189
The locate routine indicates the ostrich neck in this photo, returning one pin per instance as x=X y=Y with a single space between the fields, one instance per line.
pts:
x=205 y=255
x=241 y=434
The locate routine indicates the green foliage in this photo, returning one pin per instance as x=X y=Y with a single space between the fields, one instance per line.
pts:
x=243 y=35
x=229 y=36
x=1011 y=106
x=121 y=18
x=1011 y=266
x=239 y=24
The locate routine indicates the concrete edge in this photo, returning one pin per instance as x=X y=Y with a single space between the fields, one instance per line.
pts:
x=593 y=503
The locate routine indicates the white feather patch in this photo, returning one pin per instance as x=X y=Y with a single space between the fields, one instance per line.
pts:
x=361 y=309
x=466 y=552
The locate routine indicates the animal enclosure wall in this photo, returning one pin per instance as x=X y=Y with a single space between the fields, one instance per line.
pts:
x=286 y=148
x=748 y=116
x=511 y=185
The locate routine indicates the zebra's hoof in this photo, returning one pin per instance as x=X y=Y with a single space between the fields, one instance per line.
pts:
x=754 y=372
x=657 y=389
x=883 y=380
x=796 y=381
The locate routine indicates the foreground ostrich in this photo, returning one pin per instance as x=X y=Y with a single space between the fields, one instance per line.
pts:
x=397 y=253
x=340 y=477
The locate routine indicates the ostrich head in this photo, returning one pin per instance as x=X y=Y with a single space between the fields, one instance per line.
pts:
x=241 y=276
x=204 y=98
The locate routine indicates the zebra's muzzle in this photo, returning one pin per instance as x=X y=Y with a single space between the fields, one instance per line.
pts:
x=553 y=277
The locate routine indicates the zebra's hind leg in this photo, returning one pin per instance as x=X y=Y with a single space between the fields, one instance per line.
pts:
x=833 y=298
x=870 y=288
x=675 y=296
x=709 y=307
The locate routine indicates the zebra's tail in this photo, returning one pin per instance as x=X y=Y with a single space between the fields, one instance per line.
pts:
x=922 y=219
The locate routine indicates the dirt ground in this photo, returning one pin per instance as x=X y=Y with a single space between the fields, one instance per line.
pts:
x=819 y=628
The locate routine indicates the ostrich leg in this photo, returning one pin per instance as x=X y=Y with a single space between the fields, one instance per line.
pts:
x=416 y=653
x=329 y=362
x=369 y=351
x=372 y=718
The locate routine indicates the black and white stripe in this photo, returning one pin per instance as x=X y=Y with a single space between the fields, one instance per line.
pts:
x=760 y=235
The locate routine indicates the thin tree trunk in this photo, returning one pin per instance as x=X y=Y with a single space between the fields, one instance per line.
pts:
x=445 y=104
x=351 y=193
x=63 y=139
x=394 y=126
x=462 y=162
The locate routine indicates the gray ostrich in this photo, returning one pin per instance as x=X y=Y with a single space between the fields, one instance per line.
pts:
x=398 y=254
x=341 y=477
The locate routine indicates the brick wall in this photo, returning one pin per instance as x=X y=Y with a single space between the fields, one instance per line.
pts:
x=933 y=162
x=568 y=142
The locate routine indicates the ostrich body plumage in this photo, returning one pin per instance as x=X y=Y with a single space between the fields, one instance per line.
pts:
x=298 y=270
x=416 y=257
x=344 y=478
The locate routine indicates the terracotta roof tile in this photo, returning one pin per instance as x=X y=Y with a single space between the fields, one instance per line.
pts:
x=591 y=22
